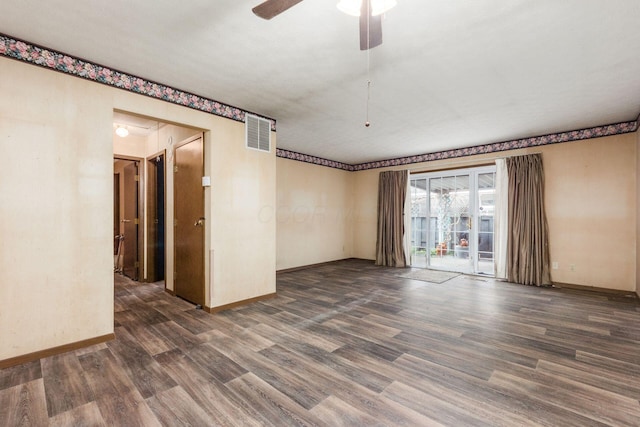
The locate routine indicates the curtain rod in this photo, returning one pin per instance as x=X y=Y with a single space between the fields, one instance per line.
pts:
x=475 y=161
x=506 y=157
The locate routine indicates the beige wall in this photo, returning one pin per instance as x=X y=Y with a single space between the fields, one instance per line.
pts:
x=56 y=211
x=638 y=214
x=314 y=214
x=590 y=202
x=591 y=208
x=366 y=213
x=243 y=239
x=130 y=146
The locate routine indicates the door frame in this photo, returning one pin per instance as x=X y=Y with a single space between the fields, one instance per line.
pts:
x=149 y=254
x=474 y=214
x=141 y=211
x=116 y=217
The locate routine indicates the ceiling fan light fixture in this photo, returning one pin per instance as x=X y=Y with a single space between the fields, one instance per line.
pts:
x=122 y=132
x=378 y=7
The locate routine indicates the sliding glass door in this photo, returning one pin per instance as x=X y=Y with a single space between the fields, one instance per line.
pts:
x=452 y=220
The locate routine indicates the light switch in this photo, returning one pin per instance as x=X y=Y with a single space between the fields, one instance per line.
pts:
x=206 y=181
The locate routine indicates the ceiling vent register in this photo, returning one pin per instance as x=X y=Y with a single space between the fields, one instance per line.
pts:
x=258 y=132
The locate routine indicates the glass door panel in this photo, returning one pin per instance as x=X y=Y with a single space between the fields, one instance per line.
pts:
x=419 y=222
x=449 y=210
x=486 y=209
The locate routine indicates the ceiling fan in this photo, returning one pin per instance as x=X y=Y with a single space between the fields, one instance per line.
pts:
x=370 y=22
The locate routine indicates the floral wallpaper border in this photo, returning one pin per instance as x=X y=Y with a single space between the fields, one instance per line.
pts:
x=292 y=155
x=536 y=141
x=53 y=60
x=47 y=58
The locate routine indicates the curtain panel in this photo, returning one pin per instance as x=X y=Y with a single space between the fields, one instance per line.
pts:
x=527 y=244
x=501 y=218
x=392 y=193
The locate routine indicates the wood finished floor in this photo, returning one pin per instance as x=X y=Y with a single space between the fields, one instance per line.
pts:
x=347 y=344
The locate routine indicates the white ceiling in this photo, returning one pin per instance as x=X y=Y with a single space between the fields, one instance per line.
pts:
x=449 y=74
x=136 y=125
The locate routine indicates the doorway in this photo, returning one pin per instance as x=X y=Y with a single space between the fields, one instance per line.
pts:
x=153 y=144
x=452 y=216
x=189 y=221
x=127 y=217
x=156 y=236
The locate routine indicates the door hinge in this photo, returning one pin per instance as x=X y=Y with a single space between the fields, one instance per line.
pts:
x=136 y=221
x=175 y=222
x=136 y=178
x=137 y=264
x=175 y=169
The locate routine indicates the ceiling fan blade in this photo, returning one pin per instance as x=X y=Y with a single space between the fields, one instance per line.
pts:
x=370 y=27
x=271 y=8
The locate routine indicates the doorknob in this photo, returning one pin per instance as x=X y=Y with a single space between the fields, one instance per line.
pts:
x=125 y=220
x=199 y=223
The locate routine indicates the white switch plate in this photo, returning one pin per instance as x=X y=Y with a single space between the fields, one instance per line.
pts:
x=206 y=181
x=554 y=265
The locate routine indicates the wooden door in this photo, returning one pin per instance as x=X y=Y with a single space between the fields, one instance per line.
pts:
x=130 y=264
x=189 y=221
x=155 y=215
x=116 y=215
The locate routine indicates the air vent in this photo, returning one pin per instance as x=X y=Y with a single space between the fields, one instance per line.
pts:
x=258 y=132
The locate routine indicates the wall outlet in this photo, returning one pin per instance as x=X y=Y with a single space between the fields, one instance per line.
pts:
x=554 y=265
x=572 y=267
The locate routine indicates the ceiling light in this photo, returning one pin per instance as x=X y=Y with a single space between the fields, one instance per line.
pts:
x=122 y=132
x=378 y=7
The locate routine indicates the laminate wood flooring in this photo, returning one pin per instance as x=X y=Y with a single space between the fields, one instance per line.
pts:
x=347 y=344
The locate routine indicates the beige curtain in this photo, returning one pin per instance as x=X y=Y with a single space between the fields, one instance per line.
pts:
x=527 y=245
x=500 y=220
x=407 y=222
x=392 y=192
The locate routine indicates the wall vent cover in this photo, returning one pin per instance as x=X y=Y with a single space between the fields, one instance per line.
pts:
x=258 y=132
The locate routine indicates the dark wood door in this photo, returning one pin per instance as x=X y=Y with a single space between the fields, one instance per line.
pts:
x=130 y=264
x=189 y=221
x=155 y=215
x=116 y=215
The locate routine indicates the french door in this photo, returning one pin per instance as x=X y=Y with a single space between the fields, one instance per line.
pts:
x=452 y=216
